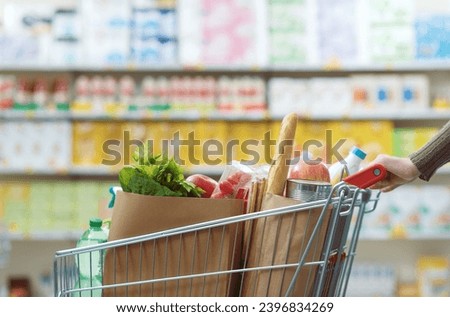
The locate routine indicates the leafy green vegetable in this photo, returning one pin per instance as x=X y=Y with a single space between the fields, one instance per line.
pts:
x=156 y=176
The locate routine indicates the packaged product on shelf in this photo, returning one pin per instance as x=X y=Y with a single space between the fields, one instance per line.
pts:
x=408 y=140
x=363 y=92
x=153 y=33
x=406 y=216
x=60 y=97
x=147 y=94
x=337 y=24
x=45 y=150
x=225 y=94
x=108 y=33
x=82 y=100
x=23 y=94
x=212 y=148
x=245 y=142
x=372 y=280
x=287 y=95
x=434 y=206
x=374 y=137
x=7 y=87
x=433 y=276
x=40 y=97
x=430 y=40
x=390 y=35
x=330 y=96
x=127 y=93
x=388 y=90
x=378 y=225
x=16 y=214
x=415 y=93
x=66 y=37
x=223 y=33
x=292 y=33
x=85 y=146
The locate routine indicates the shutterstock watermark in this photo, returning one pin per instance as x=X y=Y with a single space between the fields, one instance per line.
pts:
x=215 y=152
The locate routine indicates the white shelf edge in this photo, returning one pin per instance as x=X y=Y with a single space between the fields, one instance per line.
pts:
x=104 y=171
x=410 y=238
x=407 y=66
x=45 y=236
x=192 y=116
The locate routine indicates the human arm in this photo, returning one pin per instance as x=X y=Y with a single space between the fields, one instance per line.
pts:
x=421 y=164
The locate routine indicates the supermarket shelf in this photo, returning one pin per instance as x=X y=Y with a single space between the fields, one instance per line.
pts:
x=96 y=171
x=195 y=116
x=409 y=66
x=215 y=170
x=410 y=238
x=46 y=236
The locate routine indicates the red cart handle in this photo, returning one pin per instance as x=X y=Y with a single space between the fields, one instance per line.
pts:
x=367 y=176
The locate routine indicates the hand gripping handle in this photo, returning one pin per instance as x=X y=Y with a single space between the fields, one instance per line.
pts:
x=367 y=176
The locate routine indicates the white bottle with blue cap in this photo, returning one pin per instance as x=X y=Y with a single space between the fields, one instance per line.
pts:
x=350 y=165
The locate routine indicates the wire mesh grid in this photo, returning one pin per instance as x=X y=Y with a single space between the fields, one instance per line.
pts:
x=301 y=250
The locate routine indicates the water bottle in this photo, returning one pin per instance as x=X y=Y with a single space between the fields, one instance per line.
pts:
x=350 y=165
x=90 y=264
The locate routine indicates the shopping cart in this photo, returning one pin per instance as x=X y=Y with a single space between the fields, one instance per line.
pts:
x=305 y=249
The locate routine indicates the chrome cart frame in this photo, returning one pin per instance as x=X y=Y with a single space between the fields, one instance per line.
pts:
x=321 y=266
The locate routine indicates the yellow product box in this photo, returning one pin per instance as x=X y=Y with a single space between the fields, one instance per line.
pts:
x=245 y=142
x=132 y=135
x=433 y=276
x=423 y=135
x=410 y=289
x=373 y=137
x=311 y=136
x=171 y=138
x=91 y=139
x=2 y=199
x=85 y=143
x=212 y=138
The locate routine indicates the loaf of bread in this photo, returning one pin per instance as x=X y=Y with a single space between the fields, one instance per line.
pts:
x=283 y=154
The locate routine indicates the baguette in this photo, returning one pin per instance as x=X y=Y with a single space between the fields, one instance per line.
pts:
x=279 y=169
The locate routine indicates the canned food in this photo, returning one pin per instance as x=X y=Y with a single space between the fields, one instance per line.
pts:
x=307 y=190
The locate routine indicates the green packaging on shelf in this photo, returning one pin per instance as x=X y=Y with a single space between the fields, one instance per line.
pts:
x=41 y=206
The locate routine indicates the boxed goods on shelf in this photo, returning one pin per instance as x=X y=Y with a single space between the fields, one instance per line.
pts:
x=325 y=139
x=433 y=274
x=372 y=280
x=408 y=140
x=291 y=33
x=153 y=33
x=34 y=146
x=221 y=33
x=370 y=94
x=410 y=212
x=49 y=208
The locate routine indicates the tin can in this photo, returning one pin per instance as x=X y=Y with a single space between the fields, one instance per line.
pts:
x=307 y=190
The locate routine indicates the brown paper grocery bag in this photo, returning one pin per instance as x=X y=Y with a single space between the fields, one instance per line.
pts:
x=278 y=240
x=209 y=250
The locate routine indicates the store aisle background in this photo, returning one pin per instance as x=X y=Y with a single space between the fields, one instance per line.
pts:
x=92 y=69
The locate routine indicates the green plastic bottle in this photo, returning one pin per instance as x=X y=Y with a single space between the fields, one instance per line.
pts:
x=90 y=264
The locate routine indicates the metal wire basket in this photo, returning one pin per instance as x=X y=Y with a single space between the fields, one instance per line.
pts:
x=305 y=249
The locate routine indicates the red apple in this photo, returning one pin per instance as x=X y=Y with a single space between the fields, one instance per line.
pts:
x=204 y=182
x=310 y=170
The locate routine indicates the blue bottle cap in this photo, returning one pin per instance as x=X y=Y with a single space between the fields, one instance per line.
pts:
x=359 y=153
